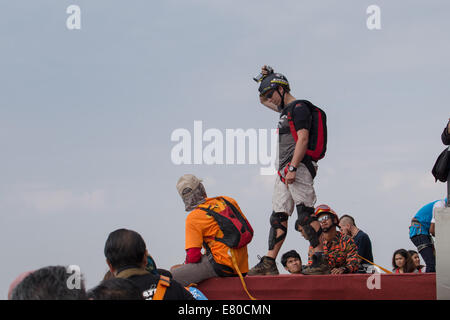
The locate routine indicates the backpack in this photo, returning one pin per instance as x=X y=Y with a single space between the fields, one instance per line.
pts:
x=441 y=167
x=237 y=231
x=317 y=144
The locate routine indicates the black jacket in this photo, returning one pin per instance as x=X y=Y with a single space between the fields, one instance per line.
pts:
x=147 y=283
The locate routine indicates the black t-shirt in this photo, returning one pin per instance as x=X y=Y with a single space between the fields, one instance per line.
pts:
x=301 y=116
x=364 y=245
x=147 y=284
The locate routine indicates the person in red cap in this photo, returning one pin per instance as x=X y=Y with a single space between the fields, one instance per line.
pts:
x=339 y=250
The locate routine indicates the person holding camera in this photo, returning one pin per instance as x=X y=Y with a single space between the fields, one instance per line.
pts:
x=294 y=187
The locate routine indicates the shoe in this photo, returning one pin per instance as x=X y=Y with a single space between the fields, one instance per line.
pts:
x=319 y=266
x=265 y=267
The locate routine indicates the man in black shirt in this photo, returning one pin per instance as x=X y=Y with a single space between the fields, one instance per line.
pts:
x=362 y=240
x=126 y=256
x=294 y=186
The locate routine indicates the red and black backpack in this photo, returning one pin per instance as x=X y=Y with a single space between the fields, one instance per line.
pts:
x=237 y=231
x=317 y=144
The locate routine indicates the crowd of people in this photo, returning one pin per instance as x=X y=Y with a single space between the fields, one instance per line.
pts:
x=217 y=232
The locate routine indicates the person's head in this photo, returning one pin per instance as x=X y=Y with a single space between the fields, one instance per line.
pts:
x=415 y=258
x=50 y=283
x=274 y=88
x=292 y=262
x=16 y=281
x=115 y=289
x=402 y=260
x=327 y=218
x=191 y=190
x=346 y=224
x=125 y=248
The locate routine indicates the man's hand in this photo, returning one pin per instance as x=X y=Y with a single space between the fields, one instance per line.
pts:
x=264 y=70
x=290 y=177
x=337 y=271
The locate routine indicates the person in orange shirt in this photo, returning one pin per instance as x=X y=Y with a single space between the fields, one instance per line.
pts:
x=203 y=231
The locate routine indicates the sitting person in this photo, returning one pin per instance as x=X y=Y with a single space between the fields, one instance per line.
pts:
x=49 y=283
x=115 y=289
x=348 y=227
x=126 y=256
x=292 y=262
x=416 y=259
x=202 y=230
x=338 y=249
x=402 y=262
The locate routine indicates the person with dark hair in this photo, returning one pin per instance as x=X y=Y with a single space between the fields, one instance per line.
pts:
x=296 y=165
x=446 y=134
x=348 y=227
x=115 y=289
x=202 y=230
x=126 y=256
x=339 y=250
x=416 y=259
x=50 y=283
x=292 y=262
x=402 y=262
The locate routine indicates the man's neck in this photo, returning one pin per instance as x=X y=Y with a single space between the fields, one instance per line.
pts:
x=288 y=98
x=330 y=234
x=354 y=231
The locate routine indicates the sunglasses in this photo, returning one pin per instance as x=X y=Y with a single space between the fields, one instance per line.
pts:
x=323 y=218
x=268 y=94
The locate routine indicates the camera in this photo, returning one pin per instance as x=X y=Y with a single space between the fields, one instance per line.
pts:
x=262 y=75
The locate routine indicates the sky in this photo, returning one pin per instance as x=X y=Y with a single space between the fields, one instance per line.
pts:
x=87 y=117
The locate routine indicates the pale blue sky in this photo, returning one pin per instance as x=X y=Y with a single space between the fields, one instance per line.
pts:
x=86 y=117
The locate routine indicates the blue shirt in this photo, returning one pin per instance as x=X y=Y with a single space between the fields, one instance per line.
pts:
x=423 y=216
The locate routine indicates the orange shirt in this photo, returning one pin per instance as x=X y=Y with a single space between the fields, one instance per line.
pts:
x=203 y=228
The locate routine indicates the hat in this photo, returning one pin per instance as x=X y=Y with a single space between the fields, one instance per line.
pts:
x=325 y=209
x=187 y=181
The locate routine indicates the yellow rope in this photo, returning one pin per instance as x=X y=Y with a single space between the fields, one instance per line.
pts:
x=385 y=270
x=233 y=258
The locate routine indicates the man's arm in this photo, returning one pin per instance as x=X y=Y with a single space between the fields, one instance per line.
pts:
x=432 y=229
x=300 y=150
x=351 y=260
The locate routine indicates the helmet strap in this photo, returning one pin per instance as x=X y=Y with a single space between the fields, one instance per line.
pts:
x=281 y=106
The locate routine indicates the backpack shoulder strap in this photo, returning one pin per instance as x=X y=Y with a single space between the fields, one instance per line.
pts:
x=163 y=284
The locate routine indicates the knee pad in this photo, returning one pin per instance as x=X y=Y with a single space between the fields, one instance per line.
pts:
x=275 y=223
x=305 y=217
